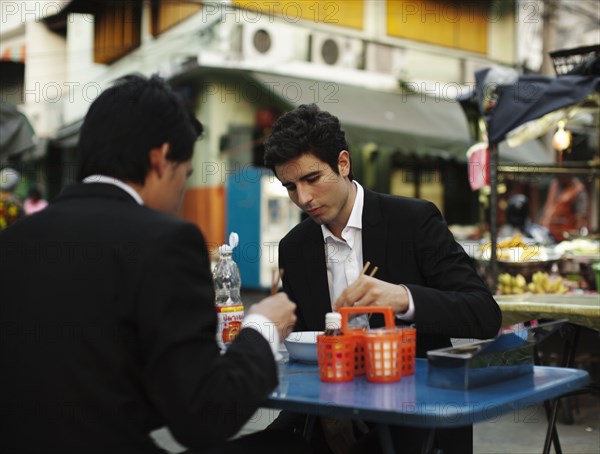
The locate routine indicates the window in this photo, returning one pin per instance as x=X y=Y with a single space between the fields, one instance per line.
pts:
x=454 y=24
x=167 y=13
x=117 y=29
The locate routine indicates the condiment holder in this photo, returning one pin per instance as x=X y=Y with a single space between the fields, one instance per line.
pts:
x=388 y=315
x=336 y=357
x=408 y=341
x=384 y=355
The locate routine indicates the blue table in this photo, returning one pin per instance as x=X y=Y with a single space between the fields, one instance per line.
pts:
x=410 y=402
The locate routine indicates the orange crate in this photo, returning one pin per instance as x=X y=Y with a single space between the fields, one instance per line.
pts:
x=359 y=360
x=336 y=357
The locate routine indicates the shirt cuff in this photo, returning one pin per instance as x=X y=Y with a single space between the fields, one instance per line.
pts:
x=409 y=315
x=265 y=327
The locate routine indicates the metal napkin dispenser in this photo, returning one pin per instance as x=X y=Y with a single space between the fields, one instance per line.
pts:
x=489 y=361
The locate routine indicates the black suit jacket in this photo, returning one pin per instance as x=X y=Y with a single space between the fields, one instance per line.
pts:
x=410 y=243
x=108 y=332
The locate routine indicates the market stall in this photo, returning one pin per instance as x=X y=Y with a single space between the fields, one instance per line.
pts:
x=526 y=108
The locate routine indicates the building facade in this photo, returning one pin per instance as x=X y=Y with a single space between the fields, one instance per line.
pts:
x=391 y=70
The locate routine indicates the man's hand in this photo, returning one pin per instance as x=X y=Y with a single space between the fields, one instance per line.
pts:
x=280 y=310
x=368 y=291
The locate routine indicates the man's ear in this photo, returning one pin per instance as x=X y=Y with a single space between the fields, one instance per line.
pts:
x=158 y=159
x=344 y=163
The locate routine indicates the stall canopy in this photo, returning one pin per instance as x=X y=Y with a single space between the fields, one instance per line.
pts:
x=533 y=97
x=531 y=151
x=412 y=123
x=17 y=137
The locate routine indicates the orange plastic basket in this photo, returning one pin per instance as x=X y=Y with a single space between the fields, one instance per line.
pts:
x=359 y=350
x=408 y=342
x=336 y=357
x=383 y=356
x=359 y=359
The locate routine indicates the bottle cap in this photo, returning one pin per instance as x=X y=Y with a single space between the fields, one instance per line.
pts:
x=234 y=240
x=333 y=320
x=225 y=249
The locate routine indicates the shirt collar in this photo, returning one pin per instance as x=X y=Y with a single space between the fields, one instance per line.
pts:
x=355 y=219
x=111 y=180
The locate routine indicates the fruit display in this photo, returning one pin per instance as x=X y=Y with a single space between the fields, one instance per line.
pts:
x=511 y=285
x=580 y=247
x=513 y=250
x=541 y=282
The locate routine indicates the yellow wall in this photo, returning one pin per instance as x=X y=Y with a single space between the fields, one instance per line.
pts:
x=345 y=13
x=205 y=207
x=451 y=24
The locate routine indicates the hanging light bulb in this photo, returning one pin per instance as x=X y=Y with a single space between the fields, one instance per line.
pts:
x=562 y=139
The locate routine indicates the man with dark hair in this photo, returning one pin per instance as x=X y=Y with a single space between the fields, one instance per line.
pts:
x=118 y=336
x=423 y=274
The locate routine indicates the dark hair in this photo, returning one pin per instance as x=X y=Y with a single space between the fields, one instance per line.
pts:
x=34 y=193
x=129 y=119
x=517 y=210
x=304 y=130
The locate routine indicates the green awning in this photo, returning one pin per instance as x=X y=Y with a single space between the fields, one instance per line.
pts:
x=414 y=124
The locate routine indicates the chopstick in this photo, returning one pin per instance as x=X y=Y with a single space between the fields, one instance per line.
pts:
x=275 y=280
x=366 y=267
x=371 y=274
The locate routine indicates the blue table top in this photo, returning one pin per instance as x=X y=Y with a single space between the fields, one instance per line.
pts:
x=411 y=402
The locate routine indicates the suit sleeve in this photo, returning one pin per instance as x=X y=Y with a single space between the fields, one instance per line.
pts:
x=287 y=288
x=454 y=301
x=206 y=397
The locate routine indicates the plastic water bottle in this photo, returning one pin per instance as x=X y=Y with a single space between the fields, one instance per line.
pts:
x=227 y=280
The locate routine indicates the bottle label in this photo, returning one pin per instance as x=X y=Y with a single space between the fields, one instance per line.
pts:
x=229 y=324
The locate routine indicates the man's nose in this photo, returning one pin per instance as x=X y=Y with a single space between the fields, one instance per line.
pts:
x=304 y=196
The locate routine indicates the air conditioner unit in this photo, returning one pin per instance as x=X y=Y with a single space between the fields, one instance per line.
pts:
x=341 y=51
x=274 y=43
x=381 y=58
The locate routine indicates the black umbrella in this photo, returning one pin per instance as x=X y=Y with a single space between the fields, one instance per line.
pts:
x=531 y=97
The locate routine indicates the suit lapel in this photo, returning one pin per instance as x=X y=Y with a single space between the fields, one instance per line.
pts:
x=374 y=234
x=316 y=277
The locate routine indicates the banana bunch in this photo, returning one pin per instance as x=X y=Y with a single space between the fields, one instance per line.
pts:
x=511 y=285
x=515 y=241
x=541 y=283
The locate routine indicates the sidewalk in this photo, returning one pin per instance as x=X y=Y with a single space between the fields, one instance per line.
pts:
x=520 y=432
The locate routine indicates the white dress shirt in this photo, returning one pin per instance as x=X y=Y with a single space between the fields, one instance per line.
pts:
x=344 y=258
x=111 y=180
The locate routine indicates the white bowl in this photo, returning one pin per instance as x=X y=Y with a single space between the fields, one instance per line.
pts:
x=302 y=346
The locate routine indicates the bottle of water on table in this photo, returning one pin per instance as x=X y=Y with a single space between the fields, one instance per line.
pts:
x=227 y=280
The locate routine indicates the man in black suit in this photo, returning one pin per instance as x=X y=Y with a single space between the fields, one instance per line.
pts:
x=423 y=274
x=107 y=302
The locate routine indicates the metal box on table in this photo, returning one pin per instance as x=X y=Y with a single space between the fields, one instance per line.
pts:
x=489 y=361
